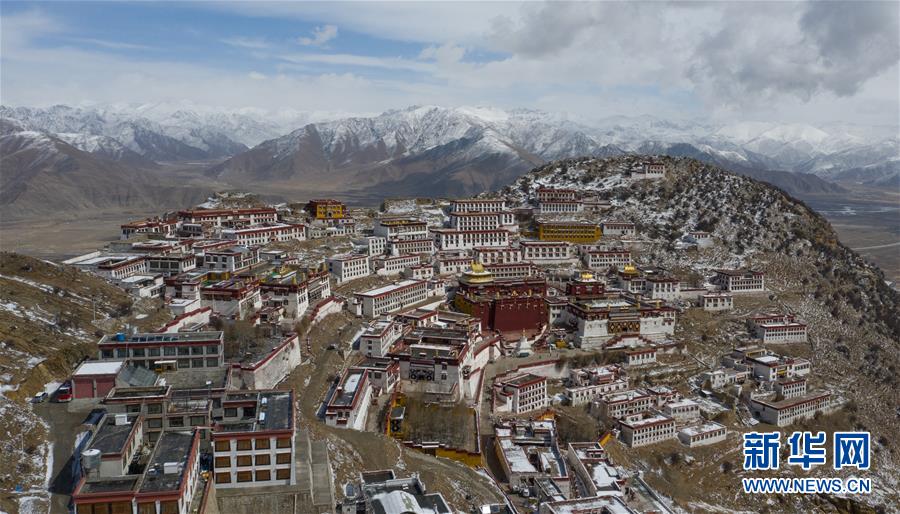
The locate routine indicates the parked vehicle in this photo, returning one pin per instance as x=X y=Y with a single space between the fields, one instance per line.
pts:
x=64 y=393
x=40 y=397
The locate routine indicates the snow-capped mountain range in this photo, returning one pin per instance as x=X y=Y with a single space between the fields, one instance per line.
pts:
x=460 y=149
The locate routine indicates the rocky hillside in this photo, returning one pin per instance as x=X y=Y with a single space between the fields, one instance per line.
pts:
x=50 y=317
x=852 y=313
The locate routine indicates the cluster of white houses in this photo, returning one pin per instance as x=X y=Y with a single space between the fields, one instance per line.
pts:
x=578 y=478
x=558 y=280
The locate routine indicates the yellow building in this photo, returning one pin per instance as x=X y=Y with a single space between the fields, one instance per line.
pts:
x=571 y=231
x=326 y=209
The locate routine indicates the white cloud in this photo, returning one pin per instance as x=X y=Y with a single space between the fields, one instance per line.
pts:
x=788 y=62
x=320 y=36
x=253 y=43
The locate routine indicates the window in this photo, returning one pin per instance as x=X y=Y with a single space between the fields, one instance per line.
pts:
x=169 y=350
x=154 y=423
x=245 y=444
x=282 y=458
x=223 y=462
x=147 y=508
x=196 y=363
x=230 y=412
x=223 y=446
x=263 y=444
x=283 y=442
x=263 y=459
x=154 y=352
x=245 y=476
x=212 y=362
x=168 y=507
x=196 y=350
x=133 y=409
x=197 y=421
x=177 y=421
x=212 y=350
x=184 y=350
x=105 y=354
x=223 y=478
x=263 y=475
x=244 y=461
x=154 y=408
x=283 y=474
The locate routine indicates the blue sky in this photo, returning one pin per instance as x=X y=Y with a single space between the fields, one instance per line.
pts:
x=774 y=61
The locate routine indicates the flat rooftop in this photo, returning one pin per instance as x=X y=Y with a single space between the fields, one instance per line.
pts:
x=99 y=368
x=274 y=411
x=167 y=337
x=196 y=378
x=171 y=447
x=111 y=438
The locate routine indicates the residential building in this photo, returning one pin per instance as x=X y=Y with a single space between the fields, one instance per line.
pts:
x=560 y=207
x=223 y=217
x=266 y=234
x=618 y=228
x=740 y=280
x=347 y=267
x=378 y=337
x=401 y=228
x=682 y=410
x=381 y=492
x=189 y=350
x=520 y=393
x=602 y=260
x=231 y=259
x=236 y=298
x=777 y=328
x=702 y=435
x=391 y=266
x=714 y=302
x=171 y=264
x=392 y=297
x=646 y=428
x=571 y=231
x=498 y=255
x=478 y=205
x=411 y=246
x=472 y=221
x=449 y=239
x=253 y=443
x=549 y=194
x=547 y=252
x=326 y=209
x=785 y=412
x=168 y=483
x=348 y=403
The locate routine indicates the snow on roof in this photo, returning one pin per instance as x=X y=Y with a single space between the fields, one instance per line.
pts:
x=99 y=368
x=516 y=458
x=701 y=429
x=389 y=288
x=605 y=476
x=766 y=359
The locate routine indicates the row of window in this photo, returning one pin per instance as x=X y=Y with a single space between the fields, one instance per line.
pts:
x=262 y=459
x=261 y=475
x=166 y=350
x=262 y=443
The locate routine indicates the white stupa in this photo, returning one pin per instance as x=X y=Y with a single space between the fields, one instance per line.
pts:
x=524 y=346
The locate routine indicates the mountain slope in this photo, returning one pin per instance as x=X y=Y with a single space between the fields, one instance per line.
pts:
x=434 y=150
x=852 y=314
x=45 y=175
x=181 y=136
